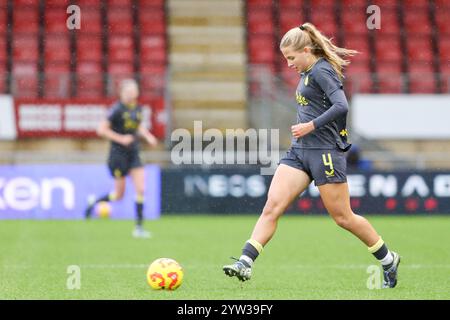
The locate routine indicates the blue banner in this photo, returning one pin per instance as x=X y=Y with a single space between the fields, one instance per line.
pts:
x=62 y=191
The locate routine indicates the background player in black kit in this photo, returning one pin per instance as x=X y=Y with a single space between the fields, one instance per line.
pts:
x=123 y=127
x=316 y=153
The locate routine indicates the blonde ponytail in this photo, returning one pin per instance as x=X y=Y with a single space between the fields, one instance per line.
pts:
x=308 y=35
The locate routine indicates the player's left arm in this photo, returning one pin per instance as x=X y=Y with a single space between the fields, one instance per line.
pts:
x=147 y=135
x=330 y=83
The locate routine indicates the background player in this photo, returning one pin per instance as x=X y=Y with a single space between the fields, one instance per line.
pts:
x=123 y=127
x=317 y=151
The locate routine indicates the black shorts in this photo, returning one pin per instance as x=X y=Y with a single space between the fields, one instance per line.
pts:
x=120 y=162
x=322 y=165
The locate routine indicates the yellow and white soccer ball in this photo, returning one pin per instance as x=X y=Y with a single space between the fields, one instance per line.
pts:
x=165 y=273
x=103 y=209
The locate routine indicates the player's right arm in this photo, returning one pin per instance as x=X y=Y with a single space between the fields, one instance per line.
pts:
x=104 y=130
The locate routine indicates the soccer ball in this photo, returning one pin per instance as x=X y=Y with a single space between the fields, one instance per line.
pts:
x=165 y=273
x=103 y=209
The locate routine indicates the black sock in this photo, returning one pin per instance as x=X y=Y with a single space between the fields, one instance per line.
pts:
x=139 y=213
x=250 y=251
x=381 y=253
x=106 y=197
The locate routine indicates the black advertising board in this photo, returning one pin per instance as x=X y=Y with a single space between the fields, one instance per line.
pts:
x=239 y=190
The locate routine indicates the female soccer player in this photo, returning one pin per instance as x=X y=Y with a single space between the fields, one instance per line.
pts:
x=122 y=128
x=317 y=151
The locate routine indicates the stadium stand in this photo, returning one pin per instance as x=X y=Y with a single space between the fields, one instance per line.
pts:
x=129 y=38
x=117 y=39
x=418 y=28
x=210 y=47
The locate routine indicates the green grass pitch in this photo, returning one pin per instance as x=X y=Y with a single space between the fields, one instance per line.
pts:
x=309 y=258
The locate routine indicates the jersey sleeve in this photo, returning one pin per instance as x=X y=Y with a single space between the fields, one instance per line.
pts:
x=113 y=113
x=331 y=85
x=328 y=80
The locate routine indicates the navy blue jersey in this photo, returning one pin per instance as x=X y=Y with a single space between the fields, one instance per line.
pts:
x=125 y=120
x=321 y=99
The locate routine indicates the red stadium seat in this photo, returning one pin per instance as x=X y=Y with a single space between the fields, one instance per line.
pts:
x=89 y=80
x=91 y=21
x=57 y=48
x=3 y=22
x=290 y=19
x=390 y=77
x=25 y=82
x=20 y=4
x=354 y=21
x=441 y=4
x=262 y=49
x=290 y=77
x=421 y=77
x=57 y=80
x=442 y=21
x=88 y=4
x=419 y=49
x=444 y=50
x=260 y=21
x=421 y=67
x=57 y=67
x=324 y=20
x=153 y=49
x=158 y=70
x=89 y=48
x=415 y=5
x=55 y=20
x=25 y=20
x=151 y=3
x=354 y=5
x=417 y=23
x=2 y=77
x=25 y=47
x=3 y=55
x=359 y=43
x=388 y=49
x=121 y=48
x=24 y=68
x=445 y=68
x=445 y=76
x=117 y=73
x=121 y=69
x=390 y=23
x=119 y=3
x=57 y=4
x=120 y=21
x=89 y=67
x=323 y=4
x=358 y=79
x=152 y=21
x=291 y=5
x=385 y=4
x=422 y=83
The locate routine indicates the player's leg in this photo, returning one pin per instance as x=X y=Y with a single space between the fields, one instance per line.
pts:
x=137 y=175
x=115 y=195
x=336 y=199
x=118 y=170
x=286 y=185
